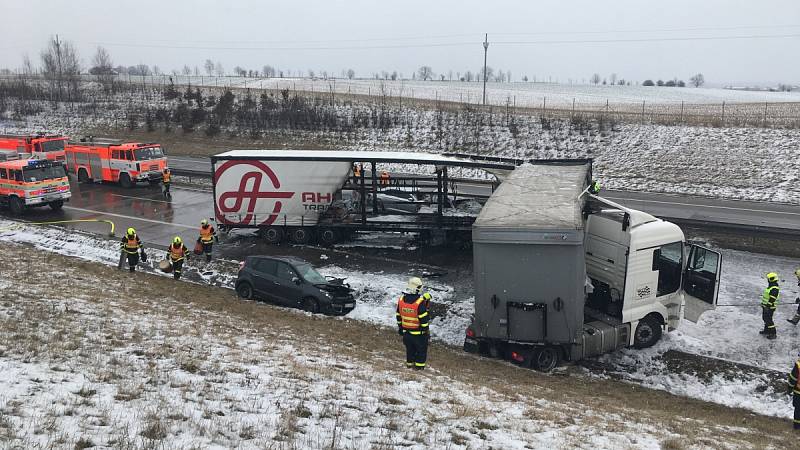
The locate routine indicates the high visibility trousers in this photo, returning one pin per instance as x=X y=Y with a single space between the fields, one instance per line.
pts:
x=796 y=404
x=177 y=267
x=769 y=324
x=133 y=259
x=416 y=349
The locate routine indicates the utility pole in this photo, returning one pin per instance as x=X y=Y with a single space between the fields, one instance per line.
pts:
x=485 y=51
x=58 y=62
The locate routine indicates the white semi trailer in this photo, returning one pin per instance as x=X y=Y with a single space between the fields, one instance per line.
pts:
x=561 y=274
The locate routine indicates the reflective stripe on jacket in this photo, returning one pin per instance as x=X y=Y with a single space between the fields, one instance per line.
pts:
x=794 y=378
x=207 y=234
x=167 y=176
x=177 y=254
x=770 y=296
x=131 y=245
x=412 y=313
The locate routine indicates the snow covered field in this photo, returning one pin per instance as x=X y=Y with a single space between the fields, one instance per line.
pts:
x=729 y=333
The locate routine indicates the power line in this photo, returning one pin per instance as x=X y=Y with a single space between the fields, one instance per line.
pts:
x=651 y=30
x=453 y=44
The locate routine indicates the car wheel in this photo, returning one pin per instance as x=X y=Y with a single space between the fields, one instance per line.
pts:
x=125 y=181
x=328 y=237
x=83 y=176
x=16 y=206
x=273 y=235
x=245 y=290
x=545 y=359
x=300 y=235
x=56 y=205
x=648 y=332
x=311 y=305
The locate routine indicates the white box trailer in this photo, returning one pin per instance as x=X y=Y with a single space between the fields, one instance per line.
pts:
x=562 y=274
x=295 y=193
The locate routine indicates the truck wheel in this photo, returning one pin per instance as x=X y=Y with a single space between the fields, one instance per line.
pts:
x=648 y=332
x=56 y=205
x=310 y=304
x=328 y=237
x=244 y=290
x=16 y=206
x=273 y=235
x=125 y=180
x=83 y=176
x=300 y=235
x=545 y=359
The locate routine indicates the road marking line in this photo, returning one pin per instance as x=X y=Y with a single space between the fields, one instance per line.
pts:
x=123 y=216
x=703 y=206
x=139 y=198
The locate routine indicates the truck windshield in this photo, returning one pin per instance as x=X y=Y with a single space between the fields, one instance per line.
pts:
x=53 y=146
x=147 y=153
x=309 y=274
x=34 y=174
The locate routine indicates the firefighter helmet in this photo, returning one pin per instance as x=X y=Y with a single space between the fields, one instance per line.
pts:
x=204 y=222
x=414 y=285
x=772 y=277
x=797 y=273
x=131 y=231
x=177 y=240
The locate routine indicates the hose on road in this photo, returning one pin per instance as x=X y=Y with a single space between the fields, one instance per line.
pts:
x=55 y=222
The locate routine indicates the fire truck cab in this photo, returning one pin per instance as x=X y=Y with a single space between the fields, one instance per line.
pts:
x=120 y=162
x=27 y=183
x=35 y=146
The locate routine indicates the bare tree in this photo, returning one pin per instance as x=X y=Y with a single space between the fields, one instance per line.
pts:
x=425 y=73
x=209 y=66
x=450 y=75
x=311 y=73
x=186 y=70
x=268 y=71
x=595 y=79
x=697 y=80
x=27 y=66
x=156 y=70
x=61 y=65
x=239 y=72
x=103 y=68
x=468 y=76
x=393 y=76
x=613 y=78
x=219 y=70
x=351 y=74
x=196 y=71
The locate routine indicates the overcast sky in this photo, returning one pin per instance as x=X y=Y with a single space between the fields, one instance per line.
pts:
x=446 y=35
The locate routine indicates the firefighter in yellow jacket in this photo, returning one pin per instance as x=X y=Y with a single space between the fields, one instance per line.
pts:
x=769 y=301
x=413 y=319
x=208 y=235
x=131 y=246
x=177 y=255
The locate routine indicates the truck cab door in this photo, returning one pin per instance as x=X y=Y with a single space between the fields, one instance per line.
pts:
x=700 y=281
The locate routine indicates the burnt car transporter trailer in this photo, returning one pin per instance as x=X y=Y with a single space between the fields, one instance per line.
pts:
x=326 y=196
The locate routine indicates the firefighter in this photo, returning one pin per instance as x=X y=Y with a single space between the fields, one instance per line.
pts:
x=769 y=301
x=131 y=246
x=594 y=188
x=794 y=387
x=384 y=181
x=412 y=323
x=208 y=235
x=177 y=254
x=356 y=171
x=796 y=317
x=167 y=180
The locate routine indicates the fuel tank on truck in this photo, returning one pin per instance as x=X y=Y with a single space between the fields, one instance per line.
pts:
x=529 y=256
x=262 y=192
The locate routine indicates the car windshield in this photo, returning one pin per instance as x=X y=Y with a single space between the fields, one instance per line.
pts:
x=43 y=173
x=53 y=146
x=309 y=274
x=147 y=153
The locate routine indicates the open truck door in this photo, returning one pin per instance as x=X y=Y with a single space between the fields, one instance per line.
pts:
x=700 y=281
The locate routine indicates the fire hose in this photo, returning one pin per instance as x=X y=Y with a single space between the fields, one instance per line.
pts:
x=55 y=222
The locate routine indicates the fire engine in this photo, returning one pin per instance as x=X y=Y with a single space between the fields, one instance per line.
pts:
x=125 y=163
x=29 y=183
x=36 y=146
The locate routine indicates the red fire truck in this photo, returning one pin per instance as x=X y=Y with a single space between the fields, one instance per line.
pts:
x=29 y=183
x=125 y=163
x=36 y=146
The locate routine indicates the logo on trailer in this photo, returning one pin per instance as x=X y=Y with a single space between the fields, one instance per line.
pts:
x=251 y=191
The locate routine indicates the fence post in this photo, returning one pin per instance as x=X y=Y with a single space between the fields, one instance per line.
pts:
x=572 y=114
x=544 y=105
x=723 y=113
x=642 y=111
x=681 y=117
x=765 y=114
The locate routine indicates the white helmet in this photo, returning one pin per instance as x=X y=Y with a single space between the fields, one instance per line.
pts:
x=414 y=285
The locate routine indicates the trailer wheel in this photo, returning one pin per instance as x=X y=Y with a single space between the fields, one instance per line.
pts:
x=328 y=237
x=545 y=359
x=300 y=235
x=648 y=332
x=83 y=176
x=56 y=205
x=16 y=206
x=125 y=180
x=273 y=235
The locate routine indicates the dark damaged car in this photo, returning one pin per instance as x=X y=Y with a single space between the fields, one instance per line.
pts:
x=295 y=283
